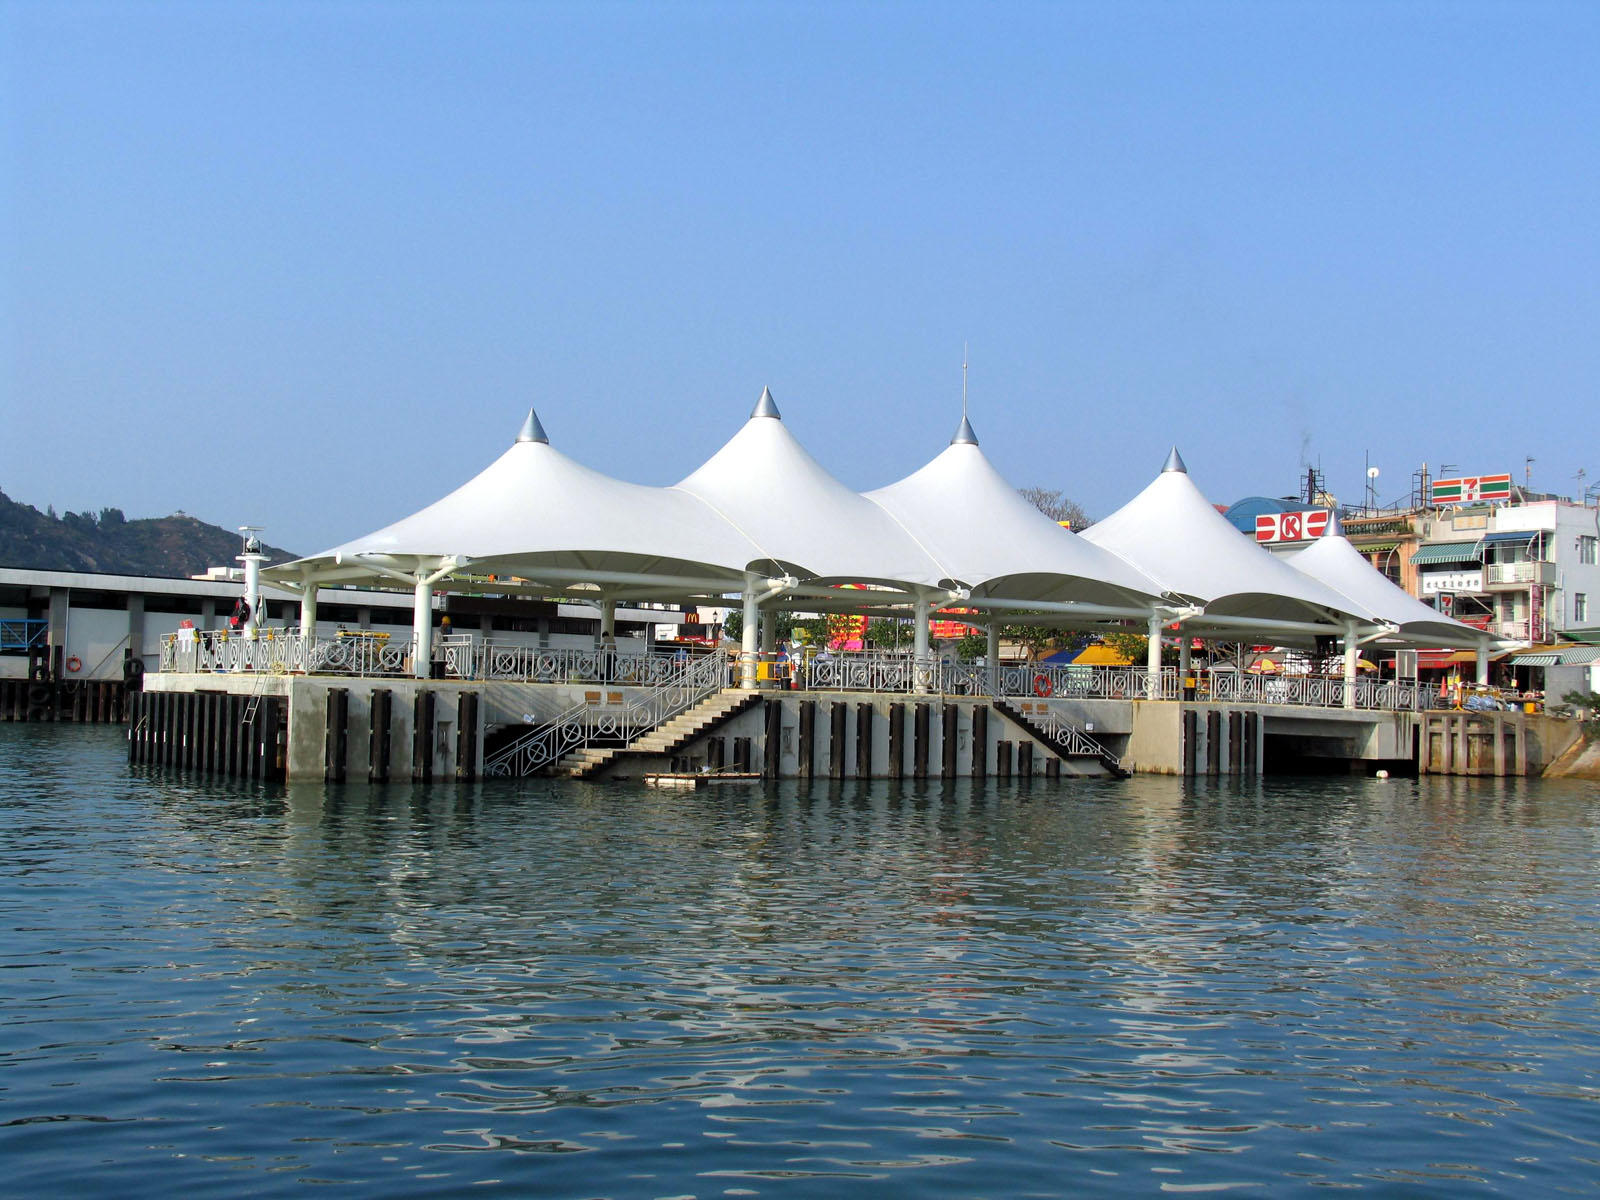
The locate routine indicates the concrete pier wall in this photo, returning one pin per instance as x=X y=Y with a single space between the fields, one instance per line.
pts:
x=436 y=729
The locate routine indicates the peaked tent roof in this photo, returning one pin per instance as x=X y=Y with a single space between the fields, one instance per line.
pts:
x=1332 y=560
x=1001 y=546
x=803 y=519
x=536 y=511
x=1172 y=533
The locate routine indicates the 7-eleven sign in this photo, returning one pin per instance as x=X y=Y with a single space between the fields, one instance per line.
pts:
x=1300 y=526
x=1471 y=489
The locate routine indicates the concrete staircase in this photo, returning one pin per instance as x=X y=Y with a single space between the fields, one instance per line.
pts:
x=1076 y=744
x=666 y=738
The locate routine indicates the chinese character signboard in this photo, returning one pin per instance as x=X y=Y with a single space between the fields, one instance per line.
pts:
x=1472 y=489
x=1302 y=526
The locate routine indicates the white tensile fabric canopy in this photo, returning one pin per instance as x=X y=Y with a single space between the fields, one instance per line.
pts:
x=1332 y=560
x=536 y=513
x=765 y=485
x=1000 y=546
x=762 y=517
x=1172 y=533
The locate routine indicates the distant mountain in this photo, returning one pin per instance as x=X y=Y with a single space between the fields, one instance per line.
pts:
x=174 y=546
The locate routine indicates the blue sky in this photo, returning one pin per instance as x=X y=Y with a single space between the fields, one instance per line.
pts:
x=307 y=265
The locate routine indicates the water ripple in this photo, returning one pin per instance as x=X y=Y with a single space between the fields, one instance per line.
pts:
x=574 y=990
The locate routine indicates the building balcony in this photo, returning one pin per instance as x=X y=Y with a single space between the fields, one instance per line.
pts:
x=1520 y=574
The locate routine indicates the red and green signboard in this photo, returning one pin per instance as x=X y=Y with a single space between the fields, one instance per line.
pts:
x=1472 y=489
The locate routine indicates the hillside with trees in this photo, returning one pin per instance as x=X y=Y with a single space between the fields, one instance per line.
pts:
x=108 y=542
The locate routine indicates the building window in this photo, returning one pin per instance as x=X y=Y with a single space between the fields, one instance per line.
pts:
x=1580 y=607
x=1586 y=550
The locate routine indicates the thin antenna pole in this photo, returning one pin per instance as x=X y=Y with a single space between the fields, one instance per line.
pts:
x=963 y=381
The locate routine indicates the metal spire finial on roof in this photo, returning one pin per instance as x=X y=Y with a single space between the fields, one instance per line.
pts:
x=964 y=435
x=1334 y=529
x=532 y=431
x=767 y=406
x=1175 y=463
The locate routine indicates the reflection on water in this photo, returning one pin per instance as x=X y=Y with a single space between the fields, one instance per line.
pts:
x=574 y=990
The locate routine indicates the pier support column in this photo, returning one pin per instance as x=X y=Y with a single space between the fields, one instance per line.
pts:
x=1351 y=649
x=919 y=643
x=769 y=631
x=421 y=629
x=1185 y=666
x=748 y=634
x=991 y=655
x=308 y=612
x=608 y=622
x=1152 y=683
x=1483 y=662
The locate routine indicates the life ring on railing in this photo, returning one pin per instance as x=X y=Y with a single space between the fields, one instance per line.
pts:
x=74 y=664
x=1042 y=687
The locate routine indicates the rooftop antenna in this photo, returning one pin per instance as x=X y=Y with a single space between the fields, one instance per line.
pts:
x=1527 y=472
x=964 y=434
x=963 y=381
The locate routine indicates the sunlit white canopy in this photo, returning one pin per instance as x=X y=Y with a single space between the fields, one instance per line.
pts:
x=1172 y=533
x=1332 y=560
x=537 y=514
x=1000 y=546
x=766 y=485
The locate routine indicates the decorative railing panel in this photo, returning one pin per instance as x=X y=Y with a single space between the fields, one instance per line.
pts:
x=583 y=724
x=462 y=656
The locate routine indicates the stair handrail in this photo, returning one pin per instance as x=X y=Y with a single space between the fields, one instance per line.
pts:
x=541 y=745
x=1068 y=736
x=583 y=723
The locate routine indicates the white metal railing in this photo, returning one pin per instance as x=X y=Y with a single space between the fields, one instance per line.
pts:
x=1074 y=740
x=1089 y=683
x=461 y=655
x=1318 y=691
x=1521 y=572
x=465 y=657
x=583 y=724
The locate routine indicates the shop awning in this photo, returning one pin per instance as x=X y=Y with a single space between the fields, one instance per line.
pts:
x=1537 y=658
x=1580 y=656
x=1374 y=547
x=1445 y=552
x=1514 y=536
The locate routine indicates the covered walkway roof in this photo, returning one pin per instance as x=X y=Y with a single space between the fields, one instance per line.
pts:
x=761 y=517
x=1332 y=560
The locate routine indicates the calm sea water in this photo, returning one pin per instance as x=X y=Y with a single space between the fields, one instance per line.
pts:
x=209 y=988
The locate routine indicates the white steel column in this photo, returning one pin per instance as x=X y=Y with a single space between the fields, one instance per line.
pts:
x=308 y=612
x=919 y=645
x=422 y=629
x=1184 y=642
x=1483 y=662
x=991 y=655
x=1352 y=648
x=608 y=622
x=748 y=635
x=1152 y=659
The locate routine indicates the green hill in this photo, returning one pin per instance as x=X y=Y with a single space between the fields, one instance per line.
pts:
x=174 y=546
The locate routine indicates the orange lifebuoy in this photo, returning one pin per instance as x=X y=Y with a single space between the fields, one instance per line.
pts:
x=1042 y=686
x=74 y=664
